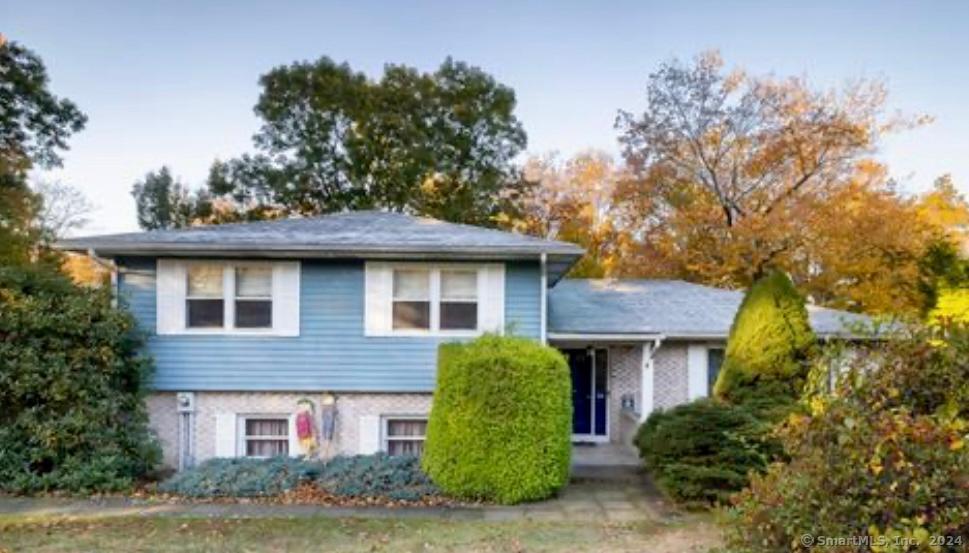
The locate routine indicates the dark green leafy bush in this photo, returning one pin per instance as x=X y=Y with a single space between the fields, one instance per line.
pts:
x=883 y=456
x=500 y=425
x=705 y=451
x=71 y=388
x=769 y=346
x=701 y=452
x=359 y=476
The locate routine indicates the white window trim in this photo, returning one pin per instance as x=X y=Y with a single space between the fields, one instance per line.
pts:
x=241 y=441
x=698 y=365
x=713 y=347
x=279 y=326
x=385 y=437
x=434 y=272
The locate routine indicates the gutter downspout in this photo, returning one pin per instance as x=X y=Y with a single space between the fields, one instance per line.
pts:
x=544 y=298
x=646 y=372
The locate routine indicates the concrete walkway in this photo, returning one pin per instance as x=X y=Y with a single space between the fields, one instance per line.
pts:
x=584 y=501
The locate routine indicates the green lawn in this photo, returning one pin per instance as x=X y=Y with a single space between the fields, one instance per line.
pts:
x=132 y=534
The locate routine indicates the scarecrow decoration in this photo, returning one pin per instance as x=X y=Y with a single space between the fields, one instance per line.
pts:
x=305 y=430
x=328 y=420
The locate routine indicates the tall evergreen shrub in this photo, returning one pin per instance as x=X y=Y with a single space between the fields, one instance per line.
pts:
x=71 y=387
x=501 y=422
x=769 y=345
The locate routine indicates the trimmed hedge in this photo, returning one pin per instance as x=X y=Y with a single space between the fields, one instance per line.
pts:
x=769 y=345
x=702 y=452
x=72 y=383
x=501 y=422
x=377 y=475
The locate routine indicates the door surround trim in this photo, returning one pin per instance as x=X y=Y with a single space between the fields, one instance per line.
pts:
x=593 y=437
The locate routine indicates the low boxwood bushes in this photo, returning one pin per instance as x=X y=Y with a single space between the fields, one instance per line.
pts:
x=380 y=476
x=242 y=477
x=702 y=452
x=500 y=425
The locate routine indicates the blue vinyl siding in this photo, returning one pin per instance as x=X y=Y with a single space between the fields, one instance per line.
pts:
x=331 y=352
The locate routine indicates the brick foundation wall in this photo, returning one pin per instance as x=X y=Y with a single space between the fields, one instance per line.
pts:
x=164 y=418
x=353 y=406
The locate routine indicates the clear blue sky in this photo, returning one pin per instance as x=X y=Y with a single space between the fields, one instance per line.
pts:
x=174 y=82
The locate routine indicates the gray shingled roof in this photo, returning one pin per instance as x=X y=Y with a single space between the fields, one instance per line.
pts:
x=354 y=234
x=672 y=308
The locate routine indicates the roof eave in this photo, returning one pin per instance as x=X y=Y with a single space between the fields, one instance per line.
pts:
x=560 y=259
x=611 y=337
x=680 y=335
x=307 y=250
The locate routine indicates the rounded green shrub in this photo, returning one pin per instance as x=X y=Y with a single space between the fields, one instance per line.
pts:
x=769 y=345
x=501 y=422
x=702 y=452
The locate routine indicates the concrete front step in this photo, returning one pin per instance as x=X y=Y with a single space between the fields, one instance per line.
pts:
x=606 y=473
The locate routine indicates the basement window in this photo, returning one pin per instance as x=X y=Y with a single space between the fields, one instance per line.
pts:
x=265 y=437
x=404 y=435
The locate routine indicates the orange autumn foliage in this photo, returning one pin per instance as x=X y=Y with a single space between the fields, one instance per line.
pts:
x=728 y=175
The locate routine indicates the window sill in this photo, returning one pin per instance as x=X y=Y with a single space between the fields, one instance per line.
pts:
x=251 y=332
x=427 y=334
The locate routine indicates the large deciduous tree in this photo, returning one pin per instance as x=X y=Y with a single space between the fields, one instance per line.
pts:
x=732 y=175
x=439 y=144
x=64 y=208
x=164 y=202
x=750 y=143
x=34 y=127
x=573 y=200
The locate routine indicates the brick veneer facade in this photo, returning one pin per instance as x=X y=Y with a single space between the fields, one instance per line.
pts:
x=670 y=375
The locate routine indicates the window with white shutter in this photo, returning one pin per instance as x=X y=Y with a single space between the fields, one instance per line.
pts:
x=265 y=436
x=227 y=297
x=404 y=435
x=421 y=299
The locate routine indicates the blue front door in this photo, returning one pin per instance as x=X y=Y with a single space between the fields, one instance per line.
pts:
x=588 y=368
